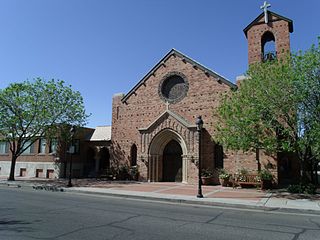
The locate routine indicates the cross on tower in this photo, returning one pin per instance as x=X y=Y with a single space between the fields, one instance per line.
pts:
x=265 y=7
x=167 y=105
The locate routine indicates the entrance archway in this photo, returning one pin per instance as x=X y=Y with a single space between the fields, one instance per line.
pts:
x=172 y=162
x=167 y=157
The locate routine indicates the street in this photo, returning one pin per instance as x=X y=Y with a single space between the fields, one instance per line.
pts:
x=38 y=214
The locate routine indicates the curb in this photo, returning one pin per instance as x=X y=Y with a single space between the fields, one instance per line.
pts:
x=178 y=200
x=47 y=187
x=238 y=206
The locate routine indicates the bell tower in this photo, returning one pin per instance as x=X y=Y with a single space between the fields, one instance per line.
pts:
x=268 y=36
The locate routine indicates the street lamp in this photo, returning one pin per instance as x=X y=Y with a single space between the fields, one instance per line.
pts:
x=199 y=124
x=71 y=151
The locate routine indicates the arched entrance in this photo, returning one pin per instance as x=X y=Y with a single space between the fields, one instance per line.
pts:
x=167 y=157
x=172 y=162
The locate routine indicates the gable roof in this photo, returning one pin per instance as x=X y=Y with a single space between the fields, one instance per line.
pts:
x=256 y=21
x=185 y=58
x=172 y=114
x=101 y=133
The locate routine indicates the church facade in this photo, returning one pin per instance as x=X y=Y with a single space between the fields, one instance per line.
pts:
x=153 y=125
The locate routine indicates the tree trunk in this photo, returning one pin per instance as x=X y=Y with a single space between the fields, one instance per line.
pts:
x=13 y=167
x=258 y=159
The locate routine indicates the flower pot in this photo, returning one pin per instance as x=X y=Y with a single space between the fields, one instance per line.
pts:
x=224 y=182
x=266 y=184
x=207 y=180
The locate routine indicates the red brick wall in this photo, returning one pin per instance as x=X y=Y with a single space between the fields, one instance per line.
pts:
x=145 y=106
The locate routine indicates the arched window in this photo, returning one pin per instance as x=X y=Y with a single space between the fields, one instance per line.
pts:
x=133 y=155
x=268 y=47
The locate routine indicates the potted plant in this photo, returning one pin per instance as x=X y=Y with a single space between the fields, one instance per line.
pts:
x=207 y=176
x=134 y=172
x=224 y=177
x=266 y=178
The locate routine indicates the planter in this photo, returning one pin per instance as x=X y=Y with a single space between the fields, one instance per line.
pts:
x=207 y=180
x=225 y=182
x=266 y=184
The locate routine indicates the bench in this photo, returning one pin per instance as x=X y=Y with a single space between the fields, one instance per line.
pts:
x=246 y=180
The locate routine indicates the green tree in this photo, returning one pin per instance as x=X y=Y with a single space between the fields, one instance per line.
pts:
x=307 y=71
x=276 y=108
x=34 y=109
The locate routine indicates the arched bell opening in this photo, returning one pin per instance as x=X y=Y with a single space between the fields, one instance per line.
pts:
x=268 y=47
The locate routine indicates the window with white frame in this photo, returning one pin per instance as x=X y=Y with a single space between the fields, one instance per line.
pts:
x=4 y=147
x=53 y=145
x=42 y=145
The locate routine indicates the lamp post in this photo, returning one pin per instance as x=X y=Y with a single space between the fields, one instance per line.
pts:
x=199 y=124
x=71 y=151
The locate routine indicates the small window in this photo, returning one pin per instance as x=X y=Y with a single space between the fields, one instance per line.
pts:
x=50 y=173
x=23 y=172
x=76 y=144
x=4 y=147
x=117 y=112
x=42 y=145
x=53 y=145
x=133 y=155
x=39 y=173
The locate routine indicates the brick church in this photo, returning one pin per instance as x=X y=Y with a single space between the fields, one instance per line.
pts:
x=153 y=125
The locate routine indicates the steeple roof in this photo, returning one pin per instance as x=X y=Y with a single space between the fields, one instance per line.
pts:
x=276 y=16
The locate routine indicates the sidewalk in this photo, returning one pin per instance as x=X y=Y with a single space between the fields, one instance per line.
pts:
x=183 y=193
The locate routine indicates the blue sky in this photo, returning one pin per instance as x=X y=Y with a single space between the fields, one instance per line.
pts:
x=103 y=47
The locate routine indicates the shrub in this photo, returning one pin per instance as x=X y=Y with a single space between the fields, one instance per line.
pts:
x=242 y=174
x=206 y=172
x=223 y=174
x=123 y=173
x=134 y=172
x=302 y=188
x=265 y=175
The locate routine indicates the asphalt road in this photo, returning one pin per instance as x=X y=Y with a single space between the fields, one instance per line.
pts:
x=31 y=214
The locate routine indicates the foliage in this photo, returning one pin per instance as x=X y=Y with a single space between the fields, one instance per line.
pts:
x=302 y=188
x=276 y=108
x=123 y=172
x=223 y=174
x=307 y=70
x=134 y=172
x=37 y=109
x=207 y=172
x=252 y=115
x=265 y=174
x=242 y=174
